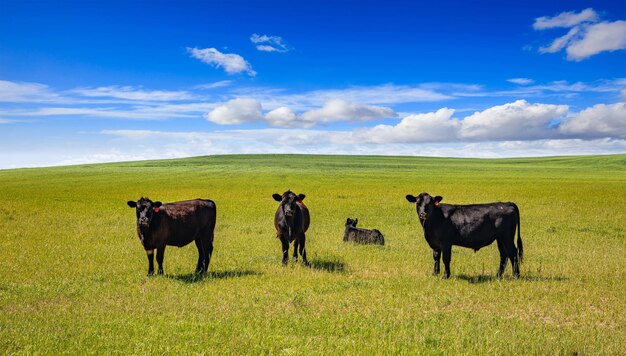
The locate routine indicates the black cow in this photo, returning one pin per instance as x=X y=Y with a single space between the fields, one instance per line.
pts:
x=474 y=226
x=175 y=224
x=291 y=221
x=362 y=236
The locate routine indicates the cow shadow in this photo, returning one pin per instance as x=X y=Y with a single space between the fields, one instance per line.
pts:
x=195 y=278
x=483 y=278
x=333 y=265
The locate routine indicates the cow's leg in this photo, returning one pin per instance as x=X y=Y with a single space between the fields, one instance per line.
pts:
x=150 y=254
x=503 y=257
x=437 y=258
x=511 y=252
x=200 y=265
x=303 y=250
x=296 y=242
x=208 y=252
x=447 y=256
x=285 y=248
x=159 y=258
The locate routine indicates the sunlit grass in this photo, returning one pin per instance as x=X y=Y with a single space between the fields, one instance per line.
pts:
x=72 y=272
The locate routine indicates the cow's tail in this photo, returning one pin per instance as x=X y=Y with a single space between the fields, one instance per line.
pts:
x=520 y=246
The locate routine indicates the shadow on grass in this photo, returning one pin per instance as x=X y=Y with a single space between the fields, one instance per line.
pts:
x=482 y=278
x=333 y=265
x=195 y=278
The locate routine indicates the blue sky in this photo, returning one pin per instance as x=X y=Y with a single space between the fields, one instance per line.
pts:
x=88 y=81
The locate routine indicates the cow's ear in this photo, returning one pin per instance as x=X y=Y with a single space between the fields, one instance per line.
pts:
x=411 y=198
x=132 y=204
x=301 y=196
x=356 y=221
x=157 y=204
x=438 y=198
x=277 y=197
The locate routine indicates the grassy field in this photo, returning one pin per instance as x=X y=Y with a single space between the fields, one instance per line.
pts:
x=72 y=272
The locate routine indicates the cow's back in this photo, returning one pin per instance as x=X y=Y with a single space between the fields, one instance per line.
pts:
x=477 y=222
x=183 y=220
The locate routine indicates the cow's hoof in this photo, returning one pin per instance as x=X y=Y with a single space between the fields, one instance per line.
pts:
x=446 y=276
x=435 y=274
x=160 y=271
x=307 y=264
x=150 y=274
x=284 y=263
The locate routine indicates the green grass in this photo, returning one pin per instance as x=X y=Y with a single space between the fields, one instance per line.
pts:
x=72 y=272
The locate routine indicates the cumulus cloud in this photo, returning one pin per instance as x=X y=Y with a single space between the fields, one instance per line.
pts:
x=341 y=110
x=512 y=121
x=283 y=116
x=587 y=35
x=597 y=121
x=236 y=111
x=230 y=62
x=519 y=120
x=520 y=81
x=245 y=110
x=430 y=127
x=267 y=43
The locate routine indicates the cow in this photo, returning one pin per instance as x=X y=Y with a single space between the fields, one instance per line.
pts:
x=362 y=236
x=291 y=221
x=473 y=226
x=175 y=224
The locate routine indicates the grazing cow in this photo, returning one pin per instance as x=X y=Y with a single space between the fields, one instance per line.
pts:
x=175 y=224
x=474 y=226
x=291 y=221
x=362 y=236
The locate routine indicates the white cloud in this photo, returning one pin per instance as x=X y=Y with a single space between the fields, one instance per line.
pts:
x=267 y=43
x=283 y=116
x=520 y=81
x=236 y=111
x=601 y=37
x=597 y=121
x=232 y=63
x=245 y=110
x=586 y=37
x=565 y=19
x=430 y=127
x=133 y=93
x=519 y=120
x=18 y=92
x=341 y=110
x=368 y=95
x=561 y=42
x=215 y=85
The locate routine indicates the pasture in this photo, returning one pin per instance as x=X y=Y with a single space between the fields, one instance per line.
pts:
x=73 y=273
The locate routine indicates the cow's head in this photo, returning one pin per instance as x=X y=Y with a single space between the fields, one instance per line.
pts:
x=425 y=204
x=288 y=202
x=350 y=222
x=145 y=209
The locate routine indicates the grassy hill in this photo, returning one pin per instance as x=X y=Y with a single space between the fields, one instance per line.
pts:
x=72 y=272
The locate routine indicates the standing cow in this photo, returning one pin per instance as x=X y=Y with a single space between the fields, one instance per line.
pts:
x=175 y=224
x=291 y=221
x=474 y=226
